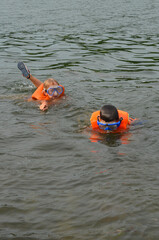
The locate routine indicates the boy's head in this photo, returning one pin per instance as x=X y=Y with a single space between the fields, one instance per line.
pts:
x=109 y=113
x=109 y=118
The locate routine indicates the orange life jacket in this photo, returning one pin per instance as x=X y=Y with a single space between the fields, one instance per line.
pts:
x=39 y=95
x=122 y=114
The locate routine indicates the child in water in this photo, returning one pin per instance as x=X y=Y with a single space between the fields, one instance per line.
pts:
x=109 y=119
x=46 y=92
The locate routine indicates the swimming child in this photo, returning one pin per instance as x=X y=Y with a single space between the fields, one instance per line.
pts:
x=47 y=92
x=109 y=119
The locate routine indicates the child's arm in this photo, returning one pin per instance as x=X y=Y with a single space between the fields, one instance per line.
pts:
x=35 y=81
x=44 y=105
x=132 y=120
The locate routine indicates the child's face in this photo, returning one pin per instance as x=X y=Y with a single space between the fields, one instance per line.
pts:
x=111 y=126
x=53 y=91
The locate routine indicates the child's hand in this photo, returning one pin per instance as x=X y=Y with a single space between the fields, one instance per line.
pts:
x=44 y=106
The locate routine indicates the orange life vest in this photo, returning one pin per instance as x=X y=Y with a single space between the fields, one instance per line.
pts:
x=122 y=114
x=39 y=95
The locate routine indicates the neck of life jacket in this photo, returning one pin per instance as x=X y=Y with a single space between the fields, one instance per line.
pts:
x=39 y=93
x=123 y=125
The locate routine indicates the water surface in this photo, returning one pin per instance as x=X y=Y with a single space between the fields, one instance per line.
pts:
x=56 y=182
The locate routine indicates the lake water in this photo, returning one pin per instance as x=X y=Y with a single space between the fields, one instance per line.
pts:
x=57 y=181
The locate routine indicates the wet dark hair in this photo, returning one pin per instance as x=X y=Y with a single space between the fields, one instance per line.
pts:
x=109 y=113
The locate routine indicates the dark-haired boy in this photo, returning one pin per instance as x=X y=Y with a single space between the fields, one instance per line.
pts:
x=109 y=118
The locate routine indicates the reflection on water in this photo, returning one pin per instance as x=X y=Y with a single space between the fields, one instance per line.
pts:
x=111 y=139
